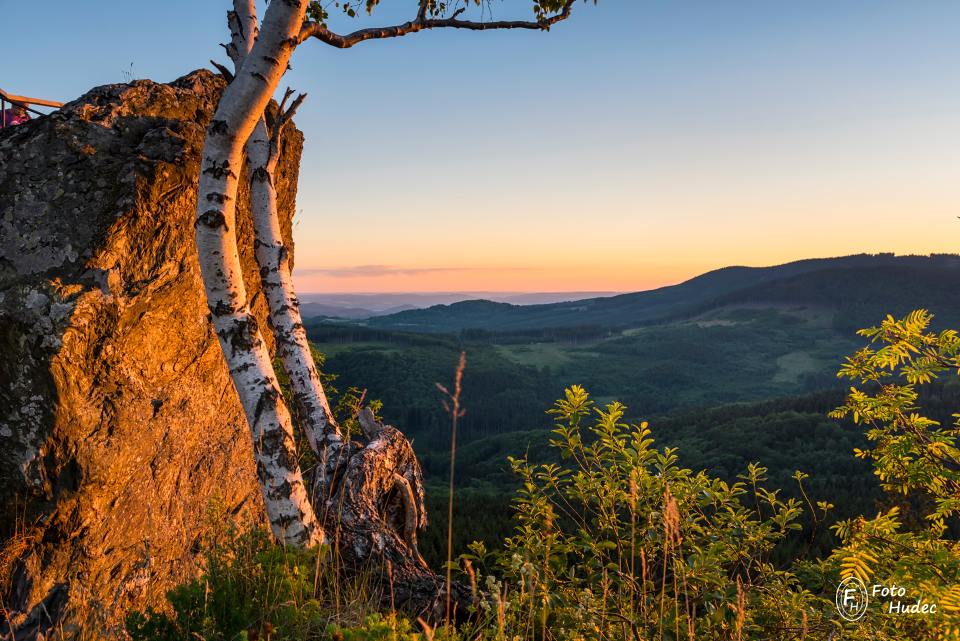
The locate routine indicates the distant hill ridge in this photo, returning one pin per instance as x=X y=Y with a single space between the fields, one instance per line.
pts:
x=876 y=283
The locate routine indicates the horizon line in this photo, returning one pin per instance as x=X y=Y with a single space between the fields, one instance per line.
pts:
x=469 y=291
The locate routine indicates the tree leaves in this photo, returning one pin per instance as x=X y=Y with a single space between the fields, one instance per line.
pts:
x=317 y=12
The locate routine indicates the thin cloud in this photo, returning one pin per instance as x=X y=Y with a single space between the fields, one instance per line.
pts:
x=366 y=271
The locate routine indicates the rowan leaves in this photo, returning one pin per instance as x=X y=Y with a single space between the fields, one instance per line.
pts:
x=912 y=453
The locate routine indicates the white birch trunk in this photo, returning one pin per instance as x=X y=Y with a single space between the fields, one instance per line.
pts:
x=263 y=150
x=241 y=106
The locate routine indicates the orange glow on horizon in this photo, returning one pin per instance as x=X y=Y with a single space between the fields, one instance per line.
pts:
x=618 y=249
x=493 y=279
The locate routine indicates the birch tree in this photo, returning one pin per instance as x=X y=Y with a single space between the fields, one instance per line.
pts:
x=243 y=127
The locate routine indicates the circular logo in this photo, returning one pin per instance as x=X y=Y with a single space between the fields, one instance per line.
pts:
x=852 y=599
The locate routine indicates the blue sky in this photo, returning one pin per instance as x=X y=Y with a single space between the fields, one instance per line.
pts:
x=637 y=144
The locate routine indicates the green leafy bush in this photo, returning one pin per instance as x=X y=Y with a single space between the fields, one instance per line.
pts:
x=620 y=542
x=915 y=458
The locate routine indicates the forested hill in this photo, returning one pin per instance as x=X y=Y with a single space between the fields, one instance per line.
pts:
x=761 y=347
x=860 y=287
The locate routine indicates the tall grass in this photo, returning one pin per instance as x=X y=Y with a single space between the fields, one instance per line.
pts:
x=452 y=407
x=251 y=589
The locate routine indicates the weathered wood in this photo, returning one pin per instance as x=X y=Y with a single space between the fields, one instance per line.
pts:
x=371 y=505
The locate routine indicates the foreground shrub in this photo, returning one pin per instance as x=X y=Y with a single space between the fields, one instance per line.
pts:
x=252 y=589
x=917 y=461
x=249 y=588
x=620 y=542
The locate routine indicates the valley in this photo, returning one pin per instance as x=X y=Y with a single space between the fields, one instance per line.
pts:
x=746 y=375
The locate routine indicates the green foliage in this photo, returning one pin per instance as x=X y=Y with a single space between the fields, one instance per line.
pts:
x=249 y=588
x=377 y=627
x=783 y=435
x=913 y=456
x=912 y=453
x=619 y=541
x=616 y=540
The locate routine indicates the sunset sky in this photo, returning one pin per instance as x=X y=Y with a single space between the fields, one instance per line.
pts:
x=635 y=145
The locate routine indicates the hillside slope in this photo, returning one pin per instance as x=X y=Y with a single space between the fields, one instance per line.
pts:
x=827 y=282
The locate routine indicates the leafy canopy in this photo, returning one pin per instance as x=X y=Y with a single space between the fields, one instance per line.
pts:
x=317 y=11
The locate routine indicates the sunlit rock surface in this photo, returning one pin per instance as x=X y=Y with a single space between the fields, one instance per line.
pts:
x=119 y=424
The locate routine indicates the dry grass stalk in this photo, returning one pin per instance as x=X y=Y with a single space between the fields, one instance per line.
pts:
x=454 y=410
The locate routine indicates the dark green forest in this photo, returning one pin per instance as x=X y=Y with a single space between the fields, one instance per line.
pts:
x=747 y=375
x=854 y=287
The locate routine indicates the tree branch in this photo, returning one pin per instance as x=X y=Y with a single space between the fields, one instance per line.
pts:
x=242 y=22
x=275 y=124
x=226 y=73
x=422 y=11
x=423 y=23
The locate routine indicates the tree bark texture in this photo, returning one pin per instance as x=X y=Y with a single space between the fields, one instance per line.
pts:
x=288 y=507
x=293 y=348
x=369 y=495
x=373 y=507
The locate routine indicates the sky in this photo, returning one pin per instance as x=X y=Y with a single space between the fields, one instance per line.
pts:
x=635 y=145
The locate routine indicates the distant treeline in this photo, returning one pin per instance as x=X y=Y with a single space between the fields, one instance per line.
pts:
x=323 y=332
x=510 y=383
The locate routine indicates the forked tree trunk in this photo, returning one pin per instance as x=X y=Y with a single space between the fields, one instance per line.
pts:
x=263 y=150
x=370 y=496
x=241 y=106
x=313 y=409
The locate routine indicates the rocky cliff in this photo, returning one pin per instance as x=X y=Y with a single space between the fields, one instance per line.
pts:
x=119 y=424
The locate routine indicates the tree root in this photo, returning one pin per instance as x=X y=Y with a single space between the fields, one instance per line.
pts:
x=371 y=503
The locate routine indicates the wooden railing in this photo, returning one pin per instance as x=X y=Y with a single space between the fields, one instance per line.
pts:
x=25 y=102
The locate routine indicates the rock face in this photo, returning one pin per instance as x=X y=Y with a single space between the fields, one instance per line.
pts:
x=119 y=424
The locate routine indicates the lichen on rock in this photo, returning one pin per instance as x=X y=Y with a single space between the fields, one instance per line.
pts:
x=119 y=423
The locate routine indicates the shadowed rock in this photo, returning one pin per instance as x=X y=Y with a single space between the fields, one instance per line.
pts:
x=119 y=423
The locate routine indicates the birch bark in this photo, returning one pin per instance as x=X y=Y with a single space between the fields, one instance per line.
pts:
x=273 y=257
x=241 y=106
x=263 y=150
x=261 y=59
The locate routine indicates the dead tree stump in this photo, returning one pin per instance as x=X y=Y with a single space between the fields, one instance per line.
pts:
x=371 y=502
